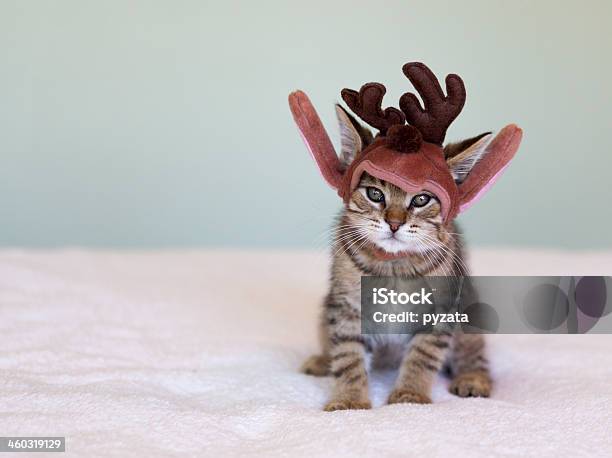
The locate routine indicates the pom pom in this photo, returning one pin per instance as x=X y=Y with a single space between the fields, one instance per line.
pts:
x=405 y=139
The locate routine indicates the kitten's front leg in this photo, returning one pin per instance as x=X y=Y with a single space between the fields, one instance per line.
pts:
x=470 y=367
x=349 y=368
x=419 y=367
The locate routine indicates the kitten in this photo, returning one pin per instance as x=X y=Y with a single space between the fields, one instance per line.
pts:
x=379 y=222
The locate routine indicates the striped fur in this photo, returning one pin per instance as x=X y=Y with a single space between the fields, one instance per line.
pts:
x=427 y=248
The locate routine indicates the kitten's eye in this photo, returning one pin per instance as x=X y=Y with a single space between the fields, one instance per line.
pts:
x=375 y=194
x=421 y=200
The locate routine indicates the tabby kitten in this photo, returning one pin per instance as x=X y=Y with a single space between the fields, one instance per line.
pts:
x=384 y=231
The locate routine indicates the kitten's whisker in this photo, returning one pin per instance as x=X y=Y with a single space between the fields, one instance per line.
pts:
x=342 y=226
x=440 y=247
x=346 y=231
x=430 y=250
x=463 y=270
x=429 y=246
x=459 y=264
x=343 y=249
x=334 y=232
x=345 y=238
x=357 y=238
x=428 y=260
x=441 y=265
x=356 y=241
x=362 y=244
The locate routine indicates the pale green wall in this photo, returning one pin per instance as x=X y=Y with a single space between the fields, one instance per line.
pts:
x=165 y=123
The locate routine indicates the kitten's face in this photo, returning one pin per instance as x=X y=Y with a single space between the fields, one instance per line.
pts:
x=383 y=214
x=390 y=218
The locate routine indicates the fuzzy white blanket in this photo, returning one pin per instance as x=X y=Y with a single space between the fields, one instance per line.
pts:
x=196 y=353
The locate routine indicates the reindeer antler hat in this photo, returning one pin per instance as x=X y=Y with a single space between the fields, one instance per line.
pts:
x=408 y=156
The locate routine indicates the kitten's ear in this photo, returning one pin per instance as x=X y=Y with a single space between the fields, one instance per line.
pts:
x=353 y=136
x=461 y=157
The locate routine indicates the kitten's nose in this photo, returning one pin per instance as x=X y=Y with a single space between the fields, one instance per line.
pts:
x=394 y=225
x=395 y=219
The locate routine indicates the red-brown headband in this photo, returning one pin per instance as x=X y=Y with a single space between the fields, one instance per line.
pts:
x=410 y=157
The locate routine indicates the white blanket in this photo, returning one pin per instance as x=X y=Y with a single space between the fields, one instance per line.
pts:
x=196 y=353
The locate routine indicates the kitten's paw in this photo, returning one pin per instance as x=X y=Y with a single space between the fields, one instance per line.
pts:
x=317 y=365
x=476 y=384
x=401 y=396
x=347 y=404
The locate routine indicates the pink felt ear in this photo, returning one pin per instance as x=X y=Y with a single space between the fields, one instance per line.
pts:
x=498 y=155
x=316 y=138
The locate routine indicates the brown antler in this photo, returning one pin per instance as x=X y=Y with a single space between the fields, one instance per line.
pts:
x=440 y=110
x=367 y=105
